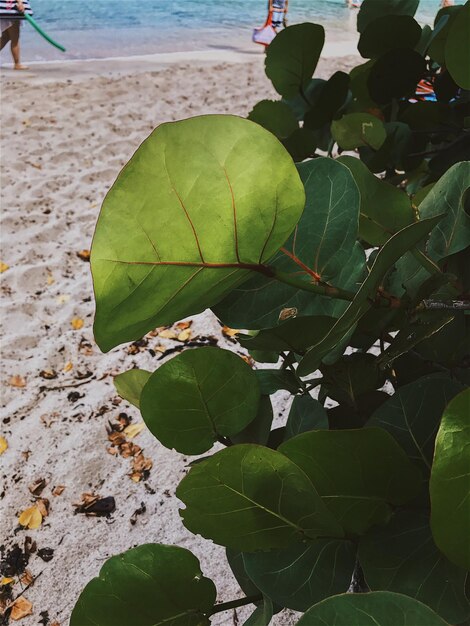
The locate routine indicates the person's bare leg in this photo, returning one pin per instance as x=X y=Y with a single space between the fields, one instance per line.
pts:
x=5 y=38
x=15 y=46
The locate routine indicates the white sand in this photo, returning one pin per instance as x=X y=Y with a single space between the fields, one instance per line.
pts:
x=67 y=129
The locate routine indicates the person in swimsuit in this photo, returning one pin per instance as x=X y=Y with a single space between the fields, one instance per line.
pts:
x=11 y=14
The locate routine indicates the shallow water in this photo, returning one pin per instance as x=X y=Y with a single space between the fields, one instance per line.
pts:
x=91 y=29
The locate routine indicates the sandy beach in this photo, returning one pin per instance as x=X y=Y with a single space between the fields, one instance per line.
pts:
x=67 y=129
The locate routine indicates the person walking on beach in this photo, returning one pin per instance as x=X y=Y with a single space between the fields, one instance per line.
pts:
x=11 y=14
x=278 y=10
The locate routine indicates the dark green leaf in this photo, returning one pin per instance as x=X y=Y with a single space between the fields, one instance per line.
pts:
x=197 y=396
x=262 y=615
x=358 y=129
x=374 y=9
x=451 y=346
x=272 y=380
x=457 y=48
x=359 y=77
x=183 y=220
x=448 y=196
x=304 y=573
x=450 y=482
x=305 y=414
x=294 y=335
x=444 y=19
x=384 y=208
x=237 y=565
x=292 y=57
x=152 y=585
x=395 y=75
x=350 y=377
x=402 y=557
x=379 y=608
x=395 y=247
x=277 y=117
x=388 y=33
x=129 y=385
x=331 y=97
x=301 y=144
x=253 y=498
x=257 y=430
x=358 y=473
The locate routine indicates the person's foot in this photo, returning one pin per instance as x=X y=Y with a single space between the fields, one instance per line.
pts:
x=19 y=66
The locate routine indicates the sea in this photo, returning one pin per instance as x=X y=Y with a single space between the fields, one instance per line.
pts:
x=116 y=28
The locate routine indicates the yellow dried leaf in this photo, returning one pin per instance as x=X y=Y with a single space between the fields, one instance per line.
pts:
x=3 y=267
x=50 y=280
x=6 y=581
x=185 y=335
x=229 y=332
x=167 y=334
x=3 y=444
x=62 y=298
x=17 y=381
x=31 y=518
x=20 y=608
x=77 y=323
x=136 y=477
x=133 y=430
x=68 y=366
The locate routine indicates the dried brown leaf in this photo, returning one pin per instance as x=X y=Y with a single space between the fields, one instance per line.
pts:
x=20 y=608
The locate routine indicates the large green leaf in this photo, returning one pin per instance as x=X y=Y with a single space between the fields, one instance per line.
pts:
x=305 y=414
x=395 y=247
x=371 y=10
x=402 y=557
x=152 y=585
x=198 y=396
x=331 y=97
x=448 y=196
x=442 y=23
x=358 y=473
x=292 y=58
x=250 y=498
x=350 y=377
x=303 y=573
x=379 y=608
x=258 y=429
x=395 y=75
x=272 y=380
x=388 y=32
x=413 y=414
x=129 y=385
x=385 y=209
x=262 y=302
x=450 y=482
x=262 y=615
x=358 y=129
x=275 y=116
x=457 y=48
x=186 y=221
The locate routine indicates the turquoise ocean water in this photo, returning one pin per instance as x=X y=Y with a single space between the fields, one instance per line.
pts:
x=109 y=28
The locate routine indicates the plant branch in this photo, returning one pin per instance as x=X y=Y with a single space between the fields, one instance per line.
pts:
x=445 y=305
x=233 y=604
x=321 y=290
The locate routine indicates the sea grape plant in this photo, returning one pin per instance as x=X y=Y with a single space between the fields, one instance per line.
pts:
x=349 y=279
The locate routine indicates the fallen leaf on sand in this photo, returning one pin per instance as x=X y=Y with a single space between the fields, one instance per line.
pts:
x=68 y=366
x=84 y=255
x=37 y=487
x=229 y=332
x=43 y=506
x=50 y=280
x=185 y=335
x=3 y=444
x=141 y=467
x=27 y=578
x=133 y=430
x=184 y=325
x=31 y=518
x=58 y=491
x=6 y=581
x=94 y=505
x=167 y=333
x=76 y=323
x=62 y=298
x=48 y=374
x=17 y=381
x=20 y=608
x=3 y=267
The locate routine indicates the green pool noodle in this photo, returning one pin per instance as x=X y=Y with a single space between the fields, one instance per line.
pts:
x=35 y=25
